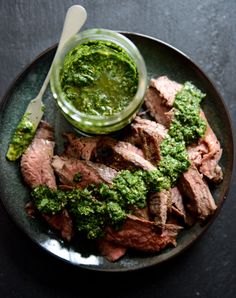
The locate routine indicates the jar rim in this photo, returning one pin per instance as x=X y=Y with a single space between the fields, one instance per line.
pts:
x=106 y=35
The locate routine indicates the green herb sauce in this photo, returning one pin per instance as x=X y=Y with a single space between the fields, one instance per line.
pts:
x=48 y=200
x=186 y=127
x=99 y=78
x=21 y=139
x=98 y=206
x=77 y=177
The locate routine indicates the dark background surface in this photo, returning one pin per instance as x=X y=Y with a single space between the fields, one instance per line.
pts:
x=205 y=31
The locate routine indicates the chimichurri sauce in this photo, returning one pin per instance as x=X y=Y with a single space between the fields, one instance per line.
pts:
x=21 y=138
x=99 y=78
x=186 y=128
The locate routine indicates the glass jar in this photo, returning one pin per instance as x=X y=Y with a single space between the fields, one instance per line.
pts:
x=93 y=124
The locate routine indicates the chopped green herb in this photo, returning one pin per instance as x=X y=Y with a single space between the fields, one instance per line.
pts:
x=48 y=200
x=77 y=177
x=99 y=78
x=21 y=139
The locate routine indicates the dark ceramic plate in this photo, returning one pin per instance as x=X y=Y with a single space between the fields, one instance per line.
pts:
x=161 y=59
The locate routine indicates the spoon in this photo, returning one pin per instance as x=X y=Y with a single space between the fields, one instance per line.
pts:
x=24 y=132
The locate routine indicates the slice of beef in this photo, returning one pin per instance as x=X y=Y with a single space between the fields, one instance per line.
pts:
x=153 y=125
x=142 y=235
x=150 y=134
x=177 y=203
x=36 y=161
x=107 y=174
x=209 y=166
x=178 y=208
x=80 y=148
x=45 y=131
x=130 y=147
x=157 y=109
x=121 y=155
x=201 y=202
x=142 y=213
x=110 y=250
x=91 y=173
x=61 y=222
x=196 y=152
x=167 y=89
x=206 y=154
x=135 y=139
x=158 y=205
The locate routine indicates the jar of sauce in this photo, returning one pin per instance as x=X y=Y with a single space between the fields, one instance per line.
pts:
x=99 y=80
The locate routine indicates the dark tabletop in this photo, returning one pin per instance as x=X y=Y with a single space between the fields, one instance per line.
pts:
x=205 y=31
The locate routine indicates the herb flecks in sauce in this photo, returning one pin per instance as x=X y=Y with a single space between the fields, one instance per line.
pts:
x=77 y=177
x=186 y=128
x=49 y=200
x=21 y=139
x=99 y=78
x=98 y=206
x=187 y=123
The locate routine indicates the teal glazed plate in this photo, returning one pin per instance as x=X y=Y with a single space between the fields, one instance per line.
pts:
x=161 y=59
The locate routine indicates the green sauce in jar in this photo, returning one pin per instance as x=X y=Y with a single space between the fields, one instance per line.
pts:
x=99 y=78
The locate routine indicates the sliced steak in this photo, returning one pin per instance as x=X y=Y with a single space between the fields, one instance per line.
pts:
x=143 y=213
x=121 y=155
x=177 y=212
x=45 y=131
x=62 y=222
x=157 y=109
x=196 y=152
x=177 y=203
x=178 y=207
x=91 y=173
x=167 y=89
x=201 y=202
x=209 y=165
x=206 y=154
x=128 y=146
x=80 y=148
x=107 y=174
x=158 y=206
x=142 y=235
x=110 y=250
x=36 y=161
x=150 y=135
